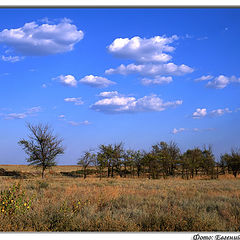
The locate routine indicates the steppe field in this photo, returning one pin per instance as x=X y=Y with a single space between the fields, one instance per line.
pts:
x=67 y=202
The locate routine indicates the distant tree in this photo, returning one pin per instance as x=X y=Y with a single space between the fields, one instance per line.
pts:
x=224 y=162
x=167 y=157
x=138 y=161
x=117 y=157
x=42 y=146
x=191 y=161
x=173 y=156
x=208 y=162
x=101 y=163
x=132 y=160
x=184 y=165
x=150 y=164
x=128 y=161
x=160 y=162
x=85 y=161
x=233 y=161
x=106 y=152
x=113 y=154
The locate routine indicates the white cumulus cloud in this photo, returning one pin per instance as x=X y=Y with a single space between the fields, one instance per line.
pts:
x=121 y=104
x=95 y=81
x=143 y=49
x=67 y=80
x=108 y=94
x=202 y=112
x=76 y=101
x=46 y=39
x=158 y=80
x=151 y=58
x=151 y=69
x=199 y=113
x=218 y=82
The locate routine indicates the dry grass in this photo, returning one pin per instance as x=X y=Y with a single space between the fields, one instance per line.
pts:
x=74 y=204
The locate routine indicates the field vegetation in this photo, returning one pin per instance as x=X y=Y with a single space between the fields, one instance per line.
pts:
x=118 y=189
x=71 y=203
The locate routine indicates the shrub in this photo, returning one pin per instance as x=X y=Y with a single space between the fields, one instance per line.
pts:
x=13 y=201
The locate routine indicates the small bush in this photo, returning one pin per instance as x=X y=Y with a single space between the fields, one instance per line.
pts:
x=13 y=201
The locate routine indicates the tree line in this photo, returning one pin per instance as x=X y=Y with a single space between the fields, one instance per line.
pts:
x=163 y=160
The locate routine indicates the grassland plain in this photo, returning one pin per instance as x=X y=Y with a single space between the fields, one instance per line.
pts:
x=62 y=203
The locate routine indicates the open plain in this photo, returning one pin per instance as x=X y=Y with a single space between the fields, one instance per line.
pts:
x=70 y=203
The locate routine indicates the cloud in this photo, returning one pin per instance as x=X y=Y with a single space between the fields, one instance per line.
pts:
x=174 y=131
x=76 y=101
x=73 y=123
x=204 y=78
x=150 y=55
x=220 y=112
x=123 y=104
x=199 y=113
x=44 y=85
x=86 y=122
x=218 y=82
x=11 y=59
x=108 y=94
x=95 y=81
x=39 y=40
x=28 y=112
x=151 y=69
x=158 y=80
x=143 y=49
x=33 y=110
x=11 y=116
x=67 y=80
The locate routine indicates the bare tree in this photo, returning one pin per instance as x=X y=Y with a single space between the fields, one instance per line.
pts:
x=84 y=161
x=42 y=146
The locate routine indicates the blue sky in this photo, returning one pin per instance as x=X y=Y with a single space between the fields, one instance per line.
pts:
x=108 y=75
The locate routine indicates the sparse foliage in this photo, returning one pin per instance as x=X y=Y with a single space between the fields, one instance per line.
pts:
x=87 y=159
x=42 y=146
